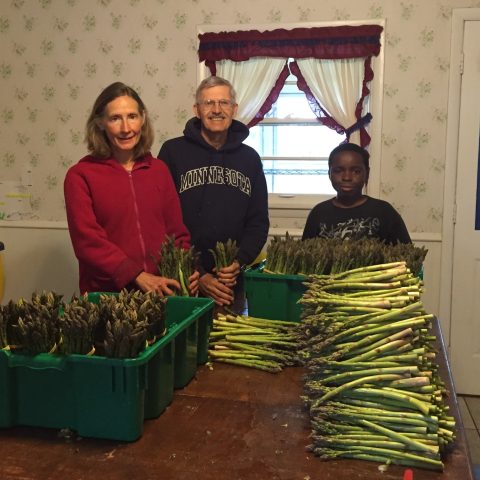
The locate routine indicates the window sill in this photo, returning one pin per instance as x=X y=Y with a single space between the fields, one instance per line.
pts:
x=280 y=231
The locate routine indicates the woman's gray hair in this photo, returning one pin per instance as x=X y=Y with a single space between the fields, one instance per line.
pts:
x=214 y=81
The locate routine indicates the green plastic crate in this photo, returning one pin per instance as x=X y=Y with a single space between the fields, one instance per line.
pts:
x=104 y=397
x=274 y=296
x=6 y=405
x=191 y=337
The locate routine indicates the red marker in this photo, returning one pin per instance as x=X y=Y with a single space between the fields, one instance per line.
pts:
x=408 y=474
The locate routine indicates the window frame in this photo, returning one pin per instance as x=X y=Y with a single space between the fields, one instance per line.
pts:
x=306 y=201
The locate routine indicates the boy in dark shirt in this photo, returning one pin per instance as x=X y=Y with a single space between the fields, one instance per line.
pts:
x=351 y=214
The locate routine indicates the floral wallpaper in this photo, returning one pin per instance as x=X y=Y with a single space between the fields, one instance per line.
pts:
x=57 y=55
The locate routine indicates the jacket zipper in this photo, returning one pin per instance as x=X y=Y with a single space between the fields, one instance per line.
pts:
x=140 y=236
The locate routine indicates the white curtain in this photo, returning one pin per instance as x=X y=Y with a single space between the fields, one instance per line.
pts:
x=253 y=80
x=337 y=86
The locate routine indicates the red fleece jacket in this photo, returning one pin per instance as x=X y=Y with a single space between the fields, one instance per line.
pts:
x=118 y=220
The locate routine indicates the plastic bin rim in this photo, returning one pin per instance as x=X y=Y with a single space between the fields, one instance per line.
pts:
x=274 y=276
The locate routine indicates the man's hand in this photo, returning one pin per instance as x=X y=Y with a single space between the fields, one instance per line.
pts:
x=194 y=283
x=148 y=282
x=210 y=286
x=228 y=275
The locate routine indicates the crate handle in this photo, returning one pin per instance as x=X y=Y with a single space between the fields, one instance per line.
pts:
x=42 y=361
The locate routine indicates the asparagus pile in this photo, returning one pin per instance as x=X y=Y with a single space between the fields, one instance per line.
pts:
x=373 y=388
x=177 y=263
x=119 y=326
x=253 y=342
x=224 y=253
x=323 y=256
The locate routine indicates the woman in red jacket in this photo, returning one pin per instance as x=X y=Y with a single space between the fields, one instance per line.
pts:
x=121 y=202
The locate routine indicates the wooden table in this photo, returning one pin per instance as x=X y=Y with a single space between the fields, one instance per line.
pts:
x=228 y=423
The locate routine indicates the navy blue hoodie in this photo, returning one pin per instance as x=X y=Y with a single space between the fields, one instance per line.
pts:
x=223 y=193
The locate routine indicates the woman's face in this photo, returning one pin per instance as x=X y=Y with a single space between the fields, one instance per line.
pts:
x=348 y=175
x=122 y=123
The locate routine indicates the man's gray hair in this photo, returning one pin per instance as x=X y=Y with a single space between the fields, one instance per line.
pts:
x=214 y=81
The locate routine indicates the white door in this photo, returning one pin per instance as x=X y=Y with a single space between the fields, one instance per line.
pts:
x=465 y=306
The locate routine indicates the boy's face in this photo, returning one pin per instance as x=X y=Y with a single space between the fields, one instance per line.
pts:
x=348 y=174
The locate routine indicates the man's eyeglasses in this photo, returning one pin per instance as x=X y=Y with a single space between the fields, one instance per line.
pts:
x=223 y=104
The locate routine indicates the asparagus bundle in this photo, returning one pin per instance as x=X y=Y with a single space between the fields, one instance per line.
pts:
x=373 y=388
x=323 y=256
x=125 y=335
x=32 y=327
x=177 y=263
x=290 y=256
x=224 y=253
x=128 y=322
x=150 y=308
x=252 y=342
x=77 y=326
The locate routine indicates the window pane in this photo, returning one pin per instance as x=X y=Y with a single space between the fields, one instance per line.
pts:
x=293 y=140
x=291 y=104
x=297 y=176
x=294 y=153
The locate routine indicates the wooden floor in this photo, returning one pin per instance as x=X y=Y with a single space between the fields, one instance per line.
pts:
x=470 y=412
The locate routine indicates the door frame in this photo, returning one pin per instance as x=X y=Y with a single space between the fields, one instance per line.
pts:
x=459 y=17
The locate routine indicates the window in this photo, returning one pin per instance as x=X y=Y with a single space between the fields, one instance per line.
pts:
x=294 y=146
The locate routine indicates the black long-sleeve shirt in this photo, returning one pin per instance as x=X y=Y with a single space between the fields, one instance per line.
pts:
x=374 y=218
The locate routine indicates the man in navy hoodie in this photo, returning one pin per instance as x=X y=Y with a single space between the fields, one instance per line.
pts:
x=221 y=184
